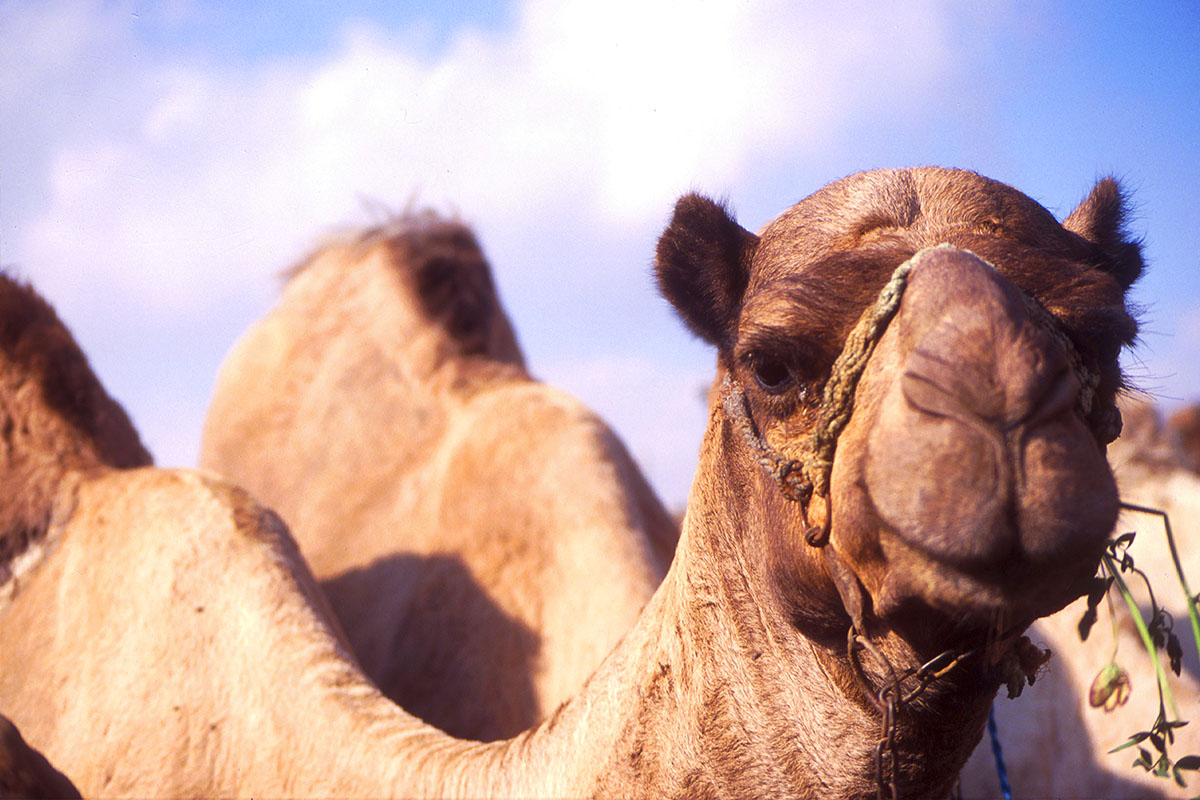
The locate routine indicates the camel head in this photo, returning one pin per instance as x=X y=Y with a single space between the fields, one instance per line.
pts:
x=918 y=374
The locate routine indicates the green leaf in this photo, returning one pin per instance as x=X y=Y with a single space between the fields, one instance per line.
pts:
x=1140 y=736
x=1125 y=539
x=1188 y=762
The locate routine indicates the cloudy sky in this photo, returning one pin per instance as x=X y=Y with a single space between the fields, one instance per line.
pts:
x=163 y=161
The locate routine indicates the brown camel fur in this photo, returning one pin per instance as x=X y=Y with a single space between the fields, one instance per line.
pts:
x=172 y=634
x=1056 y=744
x=384 y=411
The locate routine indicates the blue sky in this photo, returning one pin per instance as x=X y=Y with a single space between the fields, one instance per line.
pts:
x=258 y=32
x=164 y=161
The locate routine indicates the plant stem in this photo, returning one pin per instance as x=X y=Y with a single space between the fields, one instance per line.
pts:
x=1116 y=629
x=1164 y=688
x=1193 y=603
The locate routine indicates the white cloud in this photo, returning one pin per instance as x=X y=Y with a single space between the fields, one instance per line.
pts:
x=46 y=42
x=218 y=175
x=172 y=188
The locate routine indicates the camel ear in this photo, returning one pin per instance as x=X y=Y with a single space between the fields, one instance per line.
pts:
x=702 y=263
x=1100 y=219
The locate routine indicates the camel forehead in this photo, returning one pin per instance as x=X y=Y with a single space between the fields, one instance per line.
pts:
x=920 y=206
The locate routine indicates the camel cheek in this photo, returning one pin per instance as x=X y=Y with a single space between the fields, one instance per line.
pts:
x=1068 y=492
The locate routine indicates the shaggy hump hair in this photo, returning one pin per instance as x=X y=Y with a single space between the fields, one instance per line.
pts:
x=54 y=417
x=445 y=266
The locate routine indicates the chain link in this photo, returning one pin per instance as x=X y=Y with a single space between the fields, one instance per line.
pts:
x=885 y=750
x=889 y=700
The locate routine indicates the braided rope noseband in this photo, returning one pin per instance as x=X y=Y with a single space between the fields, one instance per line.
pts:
x=800 y=478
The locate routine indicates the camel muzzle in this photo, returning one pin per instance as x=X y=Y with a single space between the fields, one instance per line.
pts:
x=981 y=461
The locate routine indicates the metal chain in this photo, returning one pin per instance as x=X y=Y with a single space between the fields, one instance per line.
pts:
x=886 y=747
x=889 y=699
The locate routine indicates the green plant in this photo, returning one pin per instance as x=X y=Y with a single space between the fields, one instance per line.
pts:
x=1111 y=686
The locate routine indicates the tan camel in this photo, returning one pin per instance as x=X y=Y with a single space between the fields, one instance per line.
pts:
x=159 y=633
x=170 y=641
x=1055 y=744
x=803 y=286
x=384 y=411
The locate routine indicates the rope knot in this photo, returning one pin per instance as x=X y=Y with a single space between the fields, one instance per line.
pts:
x=793 y=483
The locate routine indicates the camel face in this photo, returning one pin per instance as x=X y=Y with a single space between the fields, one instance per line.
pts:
x=949 y=449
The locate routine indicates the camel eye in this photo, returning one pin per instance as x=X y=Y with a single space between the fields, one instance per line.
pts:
x=771 y=374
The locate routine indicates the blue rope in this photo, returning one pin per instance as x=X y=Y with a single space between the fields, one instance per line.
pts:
x=1001 y=770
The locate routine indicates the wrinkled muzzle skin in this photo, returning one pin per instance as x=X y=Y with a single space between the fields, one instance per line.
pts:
x=969 y=456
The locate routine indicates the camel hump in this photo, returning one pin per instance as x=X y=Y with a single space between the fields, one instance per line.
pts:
x=437 y=272
x=46 y=375
x=55 y=417
x=449 y=276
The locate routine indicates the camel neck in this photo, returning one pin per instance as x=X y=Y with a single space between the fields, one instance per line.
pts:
x=712 y=693
x=715 y=692
x=706 y=695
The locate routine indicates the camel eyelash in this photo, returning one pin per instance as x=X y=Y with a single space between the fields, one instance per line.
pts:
x=782 y=383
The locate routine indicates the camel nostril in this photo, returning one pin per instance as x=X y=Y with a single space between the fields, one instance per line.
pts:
x=945 y=450
x=989 y=363
x=960 y=392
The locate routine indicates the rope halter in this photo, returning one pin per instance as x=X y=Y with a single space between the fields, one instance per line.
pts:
x=807 y=474
x=799 y=478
